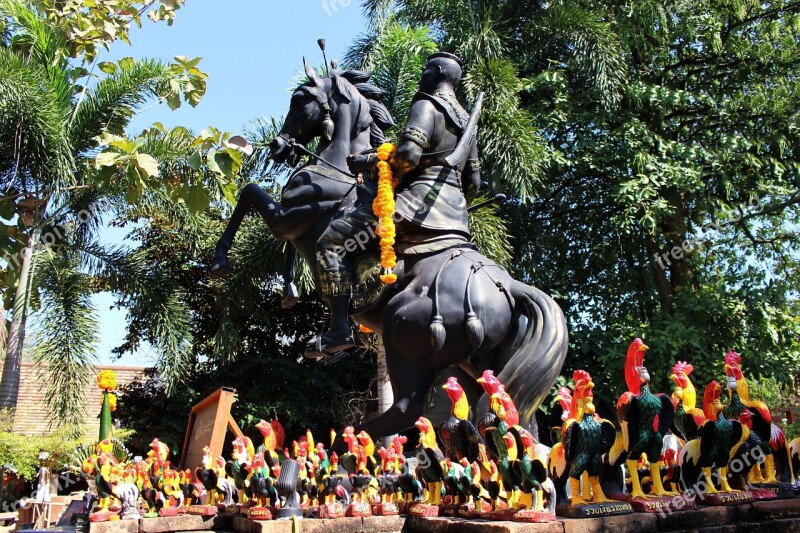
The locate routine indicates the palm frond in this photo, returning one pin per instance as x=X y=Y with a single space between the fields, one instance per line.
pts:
x=512 y=152
x=33 y=134
x=34 y=38
x=66 y=335
x=396 y=58
x=258 y=166
x=490 y=233
x=377 y=11
x=587 y=41
x=256 y=257
x=171 y=328
x=157 y=306
x=111 y=104
x=484 y=40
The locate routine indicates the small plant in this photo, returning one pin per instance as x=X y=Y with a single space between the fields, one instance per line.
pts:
x=792 y=430
x=769 y=390
x=22 y=452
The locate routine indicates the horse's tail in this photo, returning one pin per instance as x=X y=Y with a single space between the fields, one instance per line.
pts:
x=537 y=355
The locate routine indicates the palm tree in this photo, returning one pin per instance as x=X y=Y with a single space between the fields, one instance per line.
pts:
x=58 y=184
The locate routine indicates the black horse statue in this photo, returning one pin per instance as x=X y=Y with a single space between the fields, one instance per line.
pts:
x=521 y=332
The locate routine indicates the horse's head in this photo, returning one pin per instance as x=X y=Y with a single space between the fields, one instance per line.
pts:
x=339 y=107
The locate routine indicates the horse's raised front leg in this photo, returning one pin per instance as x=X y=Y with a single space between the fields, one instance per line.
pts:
x=286 y=224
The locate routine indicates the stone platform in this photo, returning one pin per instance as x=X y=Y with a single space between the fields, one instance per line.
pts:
x=766 y=516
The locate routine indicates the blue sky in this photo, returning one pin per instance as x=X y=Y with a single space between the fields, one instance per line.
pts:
x=251 y=51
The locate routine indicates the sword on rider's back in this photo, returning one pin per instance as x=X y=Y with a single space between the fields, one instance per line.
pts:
x=462 y=149
x=464 y=146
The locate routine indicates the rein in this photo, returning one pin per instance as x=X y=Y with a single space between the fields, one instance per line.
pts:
x=295 y=145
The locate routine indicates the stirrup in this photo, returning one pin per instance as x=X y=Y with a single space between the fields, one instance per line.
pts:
x=315 y=349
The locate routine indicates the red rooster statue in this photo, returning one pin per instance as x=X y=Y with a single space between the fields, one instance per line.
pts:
x=645 y=419
x=459 y=437
x=491 y=386
x=719 y=441
x=688 y=418
x=776 y=449
x=434 y=470
x=584 y=440
x=273 y=441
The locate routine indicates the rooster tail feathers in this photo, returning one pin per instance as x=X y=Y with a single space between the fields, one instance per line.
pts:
x=777 y=438
x=690 y=453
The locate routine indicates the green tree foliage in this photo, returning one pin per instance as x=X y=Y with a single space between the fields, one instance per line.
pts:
x=629 y=130
x=66 y=160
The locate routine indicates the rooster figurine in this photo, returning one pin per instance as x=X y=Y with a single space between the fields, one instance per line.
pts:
x=207 y=475
x=794 y=451
x=688 y=418
x=584 y=440
x=432 y=474
x=159 y=452
x=273 y=441
x=556 y=460
x=770 y=434
x=490 y=477
x=718 y=442
x=491 y=386
x=237 y=468
x=522 y=466
x=459 y=437
x=645 y=419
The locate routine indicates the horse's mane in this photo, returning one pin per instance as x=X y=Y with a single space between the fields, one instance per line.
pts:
x=378 y=118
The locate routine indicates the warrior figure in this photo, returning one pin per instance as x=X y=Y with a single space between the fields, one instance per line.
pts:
x=431 y=196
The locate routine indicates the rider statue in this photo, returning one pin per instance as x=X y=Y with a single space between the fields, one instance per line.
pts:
x=431 y=197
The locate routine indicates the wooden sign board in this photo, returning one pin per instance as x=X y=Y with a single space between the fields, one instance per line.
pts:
x=208 y=423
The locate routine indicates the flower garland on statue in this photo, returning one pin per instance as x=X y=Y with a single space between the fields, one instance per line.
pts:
x=383 y=207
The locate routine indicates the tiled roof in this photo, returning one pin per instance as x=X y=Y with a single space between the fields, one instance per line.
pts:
x=33 y=417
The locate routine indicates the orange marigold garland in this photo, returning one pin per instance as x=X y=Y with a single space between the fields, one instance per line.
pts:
x=383 y=207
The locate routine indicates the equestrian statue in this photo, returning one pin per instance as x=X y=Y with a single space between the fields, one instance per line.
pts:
x=450 y=305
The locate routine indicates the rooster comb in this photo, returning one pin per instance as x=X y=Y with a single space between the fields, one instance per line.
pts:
x=581 y=377
x=733 y=358
x=682 y=367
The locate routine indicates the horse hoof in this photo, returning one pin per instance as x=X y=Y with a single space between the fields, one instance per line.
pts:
x=318 y=348
x=313 y=354
x=219 y=268
x=292 y=296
